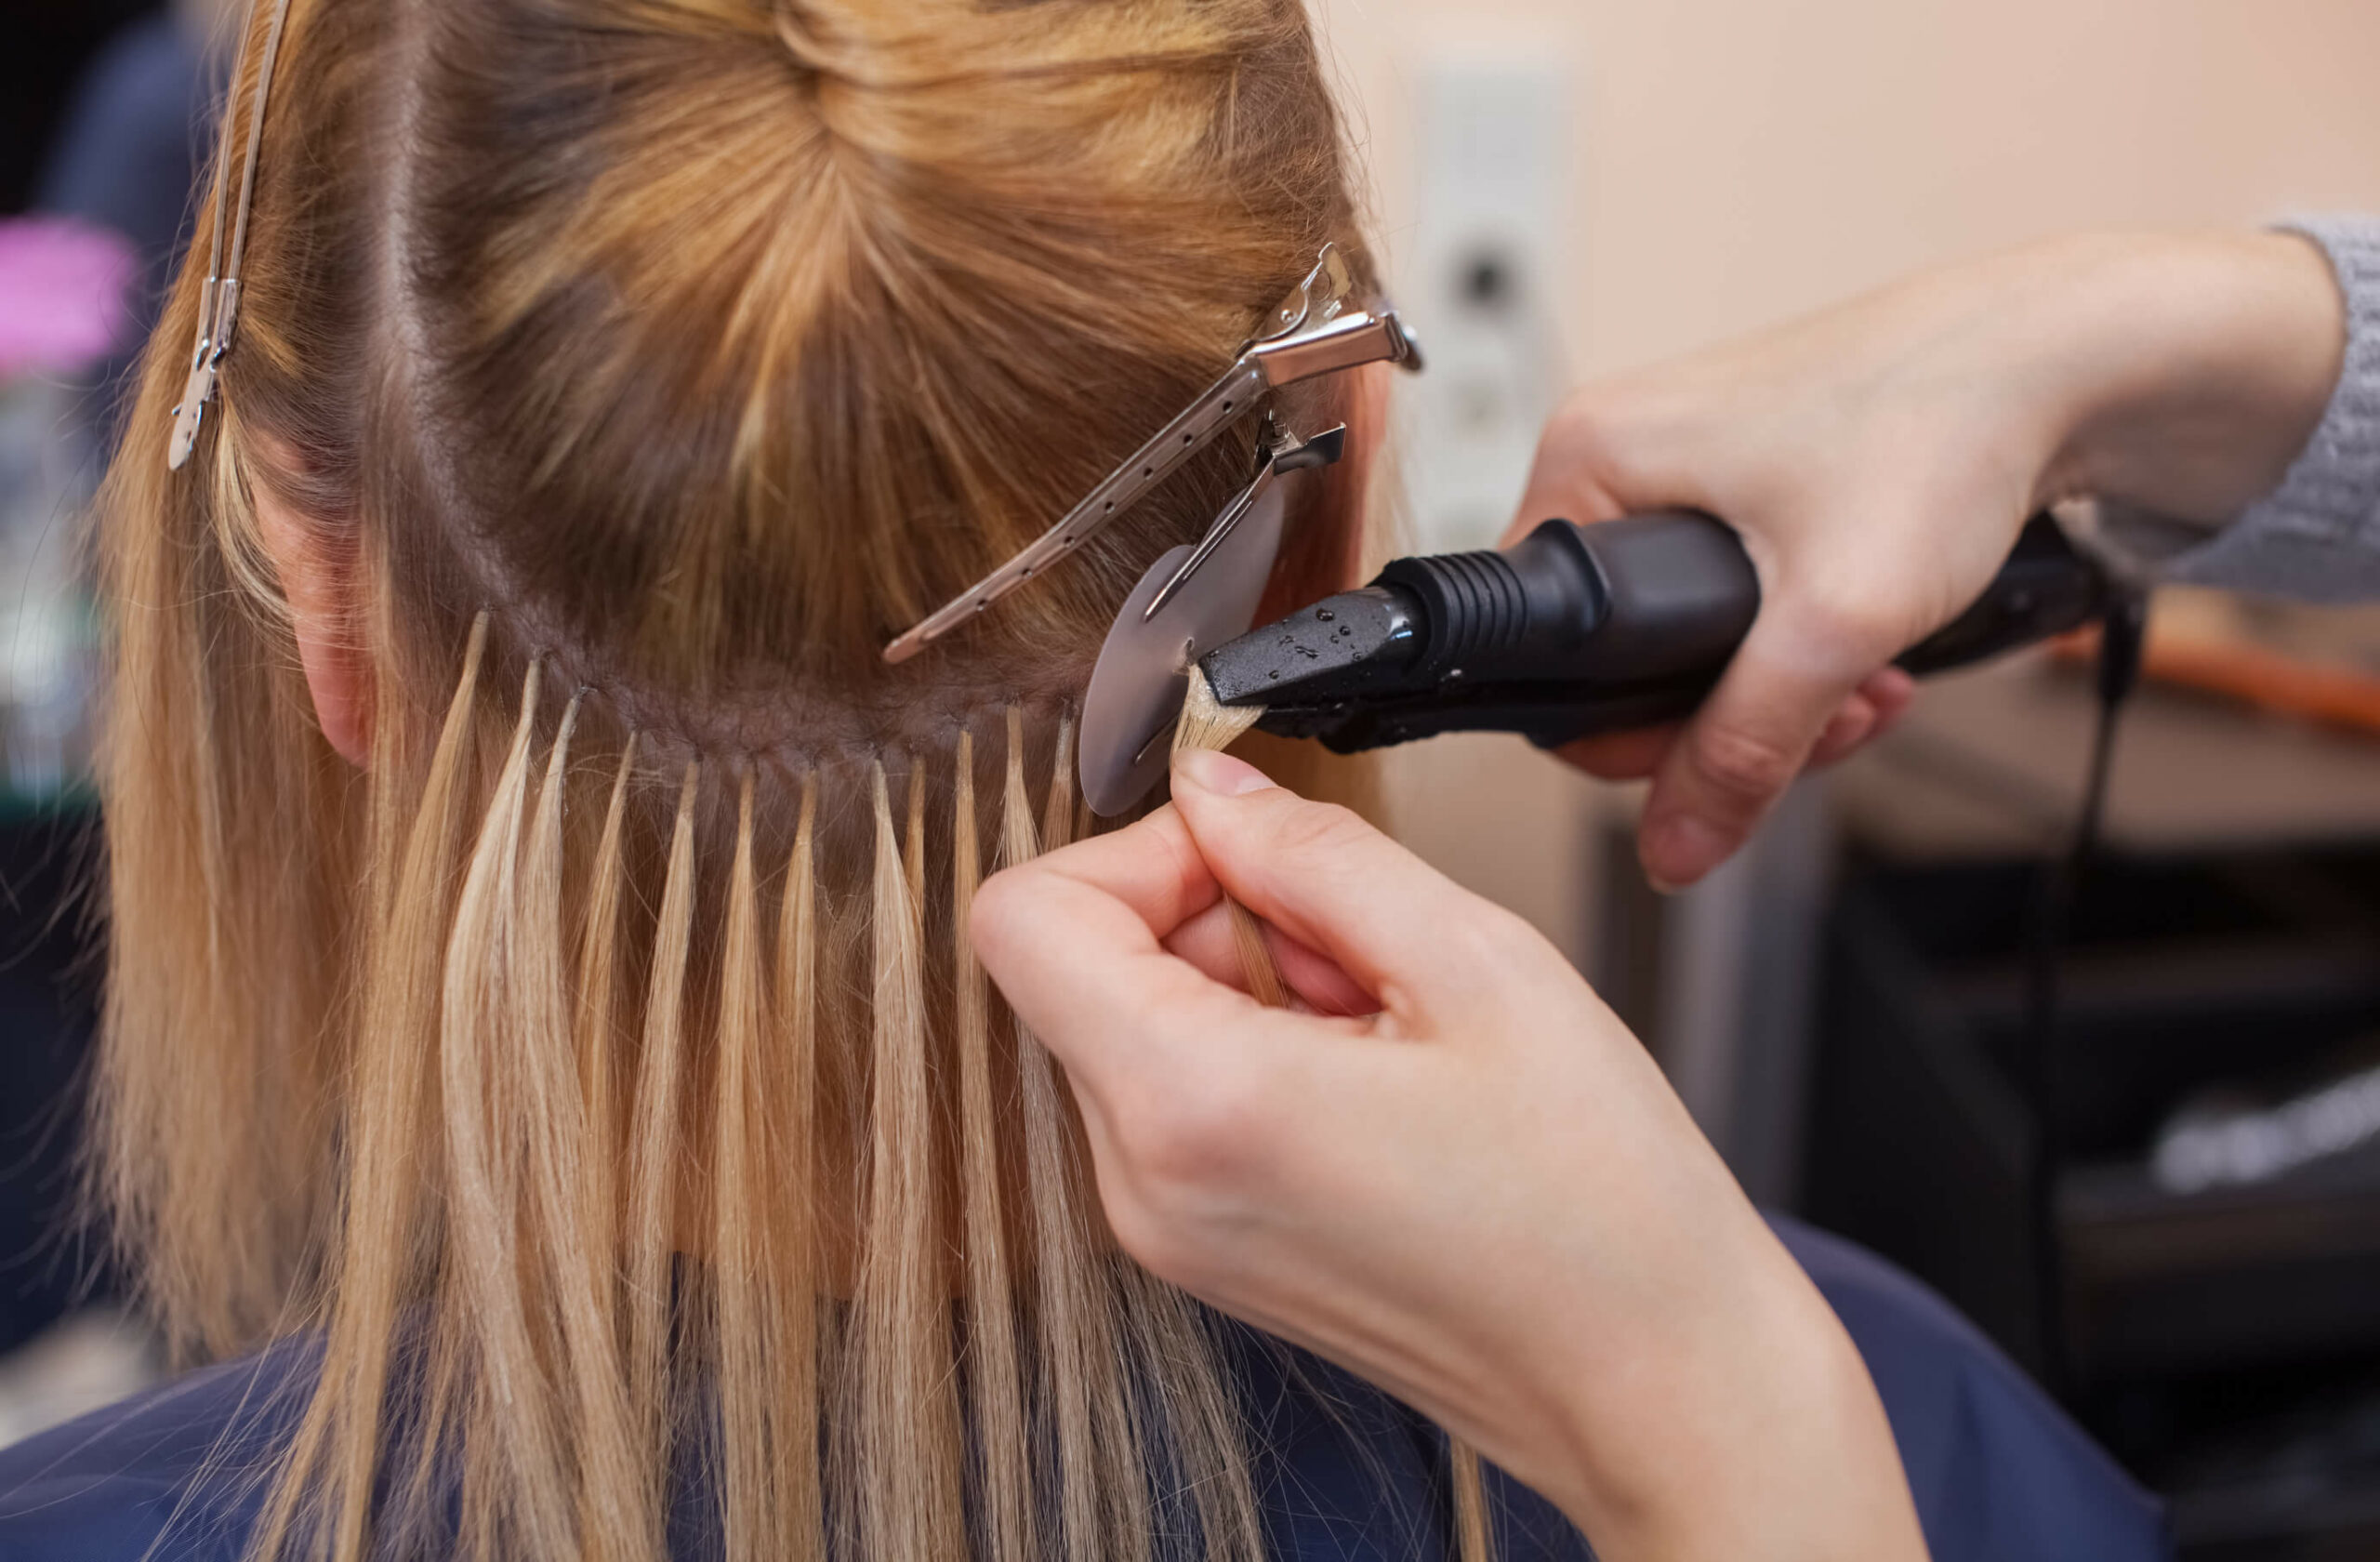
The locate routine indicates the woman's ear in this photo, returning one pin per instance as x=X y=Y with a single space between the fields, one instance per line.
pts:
x=319 y=583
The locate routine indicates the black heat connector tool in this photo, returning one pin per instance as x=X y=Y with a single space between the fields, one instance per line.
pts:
x=1576 y=631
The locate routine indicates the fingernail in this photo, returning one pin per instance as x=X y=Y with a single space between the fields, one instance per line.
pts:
x=1679 y=851
x=1218 y=773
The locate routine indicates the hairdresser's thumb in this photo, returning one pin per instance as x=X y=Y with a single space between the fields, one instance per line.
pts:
x=1326 y=878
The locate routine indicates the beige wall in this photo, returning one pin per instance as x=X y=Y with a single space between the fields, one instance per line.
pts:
x=1736 y=160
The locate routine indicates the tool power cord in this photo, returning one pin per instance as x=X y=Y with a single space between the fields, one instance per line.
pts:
x=2123 y=629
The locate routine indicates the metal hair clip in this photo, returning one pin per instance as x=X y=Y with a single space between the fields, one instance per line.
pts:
x=1317 y=329
x=218 y=302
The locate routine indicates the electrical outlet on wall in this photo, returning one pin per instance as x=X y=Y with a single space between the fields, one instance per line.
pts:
x=1483 y=263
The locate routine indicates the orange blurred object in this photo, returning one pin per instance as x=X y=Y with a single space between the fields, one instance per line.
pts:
x=2232 y=666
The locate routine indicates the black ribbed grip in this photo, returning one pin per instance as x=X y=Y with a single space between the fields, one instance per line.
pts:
x=1505 y=615
x=1474 y=603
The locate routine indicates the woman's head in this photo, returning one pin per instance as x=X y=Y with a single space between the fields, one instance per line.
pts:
x=707 y=343
x=613 y=379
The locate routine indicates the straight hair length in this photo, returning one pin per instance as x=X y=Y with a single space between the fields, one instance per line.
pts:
x=598 y=1077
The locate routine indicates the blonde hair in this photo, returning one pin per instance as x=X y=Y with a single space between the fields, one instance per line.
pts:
x=602 y=1073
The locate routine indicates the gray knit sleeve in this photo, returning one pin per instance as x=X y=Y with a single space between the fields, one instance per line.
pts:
x=2317 y=537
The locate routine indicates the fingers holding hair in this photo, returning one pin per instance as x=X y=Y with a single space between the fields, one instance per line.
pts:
x=1316 y=982
x=1422 y=945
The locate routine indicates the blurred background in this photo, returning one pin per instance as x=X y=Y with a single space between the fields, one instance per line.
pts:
x=1564 y=187
x=1567 y=187
x=101 y=104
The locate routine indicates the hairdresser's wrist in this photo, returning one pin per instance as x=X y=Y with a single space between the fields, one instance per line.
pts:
x=1749 y=1428
x=2185 y=372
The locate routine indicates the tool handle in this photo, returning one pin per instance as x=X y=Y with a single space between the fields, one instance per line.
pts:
x=2047 y=587
x=1576 y=631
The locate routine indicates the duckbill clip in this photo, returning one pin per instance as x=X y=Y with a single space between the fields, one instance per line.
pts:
x=1319 y=328
x=218 y=301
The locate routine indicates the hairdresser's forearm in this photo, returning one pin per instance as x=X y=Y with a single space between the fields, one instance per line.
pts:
x=2183 y=373
x=1753 y=1431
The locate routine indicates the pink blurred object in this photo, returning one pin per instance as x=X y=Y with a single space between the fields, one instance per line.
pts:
x=63 y=286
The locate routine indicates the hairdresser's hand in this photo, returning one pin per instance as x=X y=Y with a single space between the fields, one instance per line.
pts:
x=1480 y=1195
x=1880 y=458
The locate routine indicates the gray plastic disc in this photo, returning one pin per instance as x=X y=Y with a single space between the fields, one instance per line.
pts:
x=1144 y=669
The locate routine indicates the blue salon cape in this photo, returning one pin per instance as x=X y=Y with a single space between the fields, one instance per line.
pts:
x=1346 y=1475
x=1999 y=1472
